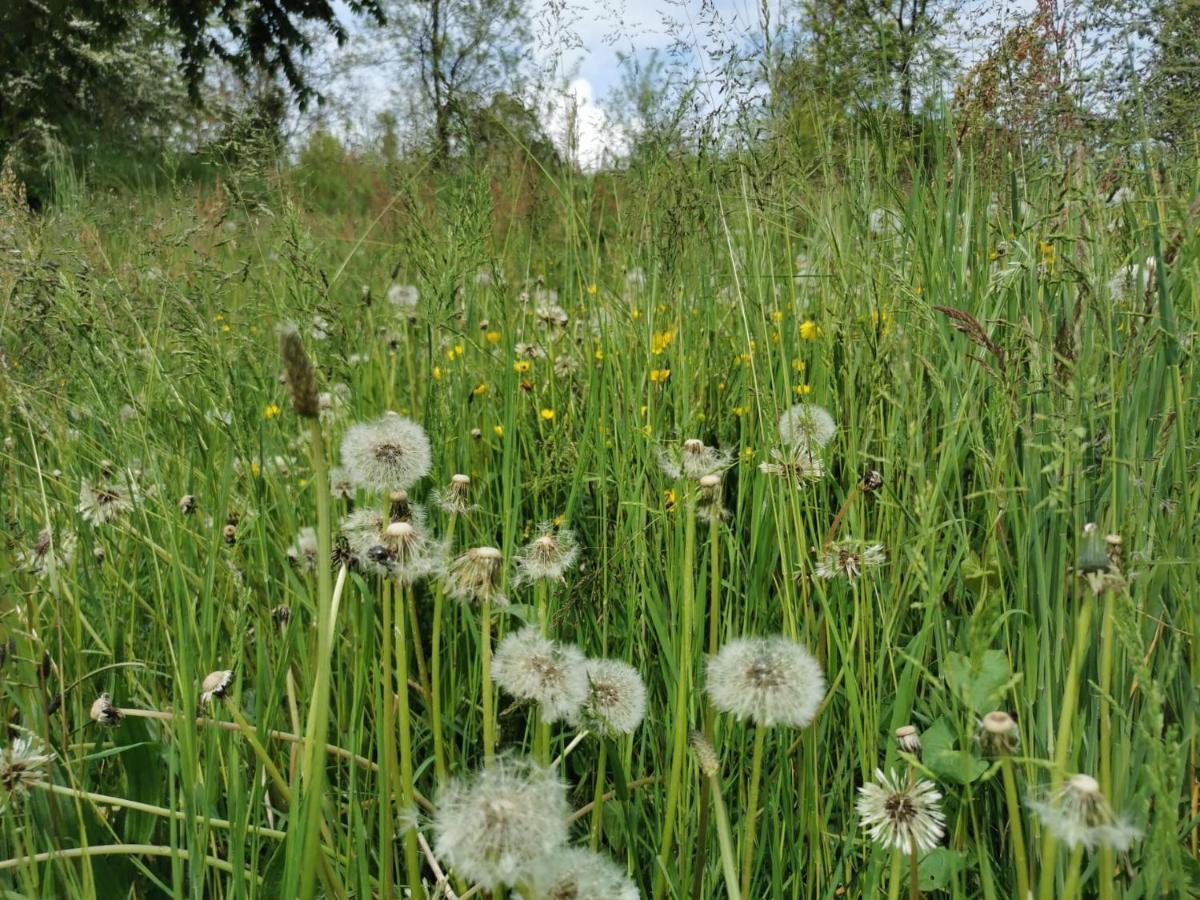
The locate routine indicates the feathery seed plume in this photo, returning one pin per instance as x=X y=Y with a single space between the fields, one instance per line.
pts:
x=103 y=712
x=23 y=763
x=476 y=576
x=850 y=558
x=772 y=681
x=576 y=873
x=999 y=734
x=215 y=686
x=806 y=426
x=616 y=698
x=900 y=815
x=1079 y=814
x=389 y=454
x=455 y=499
x=533 y=667
x=548 y=556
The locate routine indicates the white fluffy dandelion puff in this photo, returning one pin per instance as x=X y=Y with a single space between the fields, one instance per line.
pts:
x=492 y=828
x=23 y=763
x=616 y=698
x=806 y=426
x=849 y=558
x=530 y=666
x=48 y=553
x=99 y=504
x=900 y=814
x=476 y=577
x=403 y=296
x=771 y=681
x=341 y=485
x=693 y=460
x=400 y=549
x=548 y=556
x=575 y=873
x=389 y=454
x=215 y=686
x=799 y=465
x=1079 y=814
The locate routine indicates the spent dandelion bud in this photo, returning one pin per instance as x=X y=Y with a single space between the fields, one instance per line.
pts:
x=215 y=686
x=849 y=558
x=301 y=376
x=530 y=666
x=388 y=454
x=900 y=814
x=1078 y=814
x=871 y=481
x=616 y=698
x=693 y=460
x=341 y=485
x=576 y=873
x=23 y=763
x=999 y=734
x=908 y=740
x=455 y=498
x=771 y=681
x=103 y=712
x=711 y=507
x=282 y=614
x=494 y=826
x=229 y=533
x=799 y=465
x=476 y=576
x=400 y=548
x=548 y=556
x=187 y=504
x=706 y=754
x=303 y=552
x=99 y=504
x=806 y=426
x=48 y=552
x=1093 y=553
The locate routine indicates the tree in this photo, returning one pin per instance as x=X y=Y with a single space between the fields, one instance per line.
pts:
x=461 y=53
x=1172 y=78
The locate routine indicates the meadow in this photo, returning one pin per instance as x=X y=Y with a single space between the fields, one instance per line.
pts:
x=261 y=639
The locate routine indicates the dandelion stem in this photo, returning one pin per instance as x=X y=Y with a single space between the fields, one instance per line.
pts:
x=1062 y=745
x=714 y=631
x=575 y=742
x=387 y=749
x=682 y=699
x=760 y=737
x=1020 y=860
x=412 y=858
x=598 y=796
x=541 y=734
x=1105 y=748
x=724 y=838
x=485 y=683
x=914 y=871
x=897 y=878
x=435 y=667
x=1074 y=867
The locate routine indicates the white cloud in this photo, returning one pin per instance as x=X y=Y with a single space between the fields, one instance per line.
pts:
x=581 y=129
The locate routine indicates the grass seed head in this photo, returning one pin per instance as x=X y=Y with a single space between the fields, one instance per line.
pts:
x=299 y=372
x=706 y=754
x=771 y=681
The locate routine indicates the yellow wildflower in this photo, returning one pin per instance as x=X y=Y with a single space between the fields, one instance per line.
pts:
x=437 y=373
x=593 y=288
x=669 y=499
x=270 y=411
x=492 y=337
x=740 y=410
x=809 y=330
x=803 y=389
x=599 y=356
x=777 y=315
x=657 y=376
x=660 y=341
x=498 y=430
x=480 y=389
x=748 y=453
x=547 y=414
x=798 y=365
x=521 y=366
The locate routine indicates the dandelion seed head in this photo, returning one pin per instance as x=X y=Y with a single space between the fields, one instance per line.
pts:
x=548 y=556
x=799 y=465
x=576 y=873
x=615 y=703
x=806 y=426
x=693 y=460
x=400 y=549
x=391 y=453
x=48 y=553
x=475 y=577
x=849 y=558
x=771 y=681
x=187 y=504
x=455 y=499
x=530 y=666
x=999 y=734
x=403 y=296
x=908 y=740
x=23 y=763
x=491 y=828
x=304 y=552
x=1078 y=814
x=901 y=815
x=99 y=504
x=341 y=485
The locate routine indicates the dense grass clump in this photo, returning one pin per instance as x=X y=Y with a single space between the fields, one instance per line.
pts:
x=438 y=593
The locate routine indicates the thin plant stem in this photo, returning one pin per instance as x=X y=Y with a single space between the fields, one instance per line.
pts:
x=724 y=838
x=914 y=871
x=435 y=668
x=1107 y=641
x=896 y=882
x=598 y=797
x=485 y=682
x=387 y=750
x=412 y=853
x=714 y=630
x=1020 y=858
x=216 y=862
x=760 y=737
x=1074 y=869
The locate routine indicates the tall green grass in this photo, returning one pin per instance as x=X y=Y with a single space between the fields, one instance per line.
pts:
x=139 y=328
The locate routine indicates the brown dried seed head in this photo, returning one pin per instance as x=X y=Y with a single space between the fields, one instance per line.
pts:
x=301 y=376
x=706 y=755
x=908 y=740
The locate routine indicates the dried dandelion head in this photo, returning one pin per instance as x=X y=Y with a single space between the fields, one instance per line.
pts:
x=806 y=426
x=103 y=712
x=1078 y=814
x=187 y=504
x=341 y=485
x=389 y=454
x=303 y=552
x=999 y=734
x=908 y=740
x=23 y=763
x=616 y=698
x=47 y=553
x=548 y=556
x=476 y=577
x=771 y=681
x=901 y=815
x=849 y=558
x=575 y=873
x=400 y=548
x=693 y=459
x=215 y=686
x=492 y=828
x=711 y=506
x=455 y=498
x=530 y=666
x=99 y=504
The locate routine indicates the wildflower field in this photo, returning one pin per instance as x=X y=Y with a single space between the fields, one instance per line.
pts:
x=722 y=531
